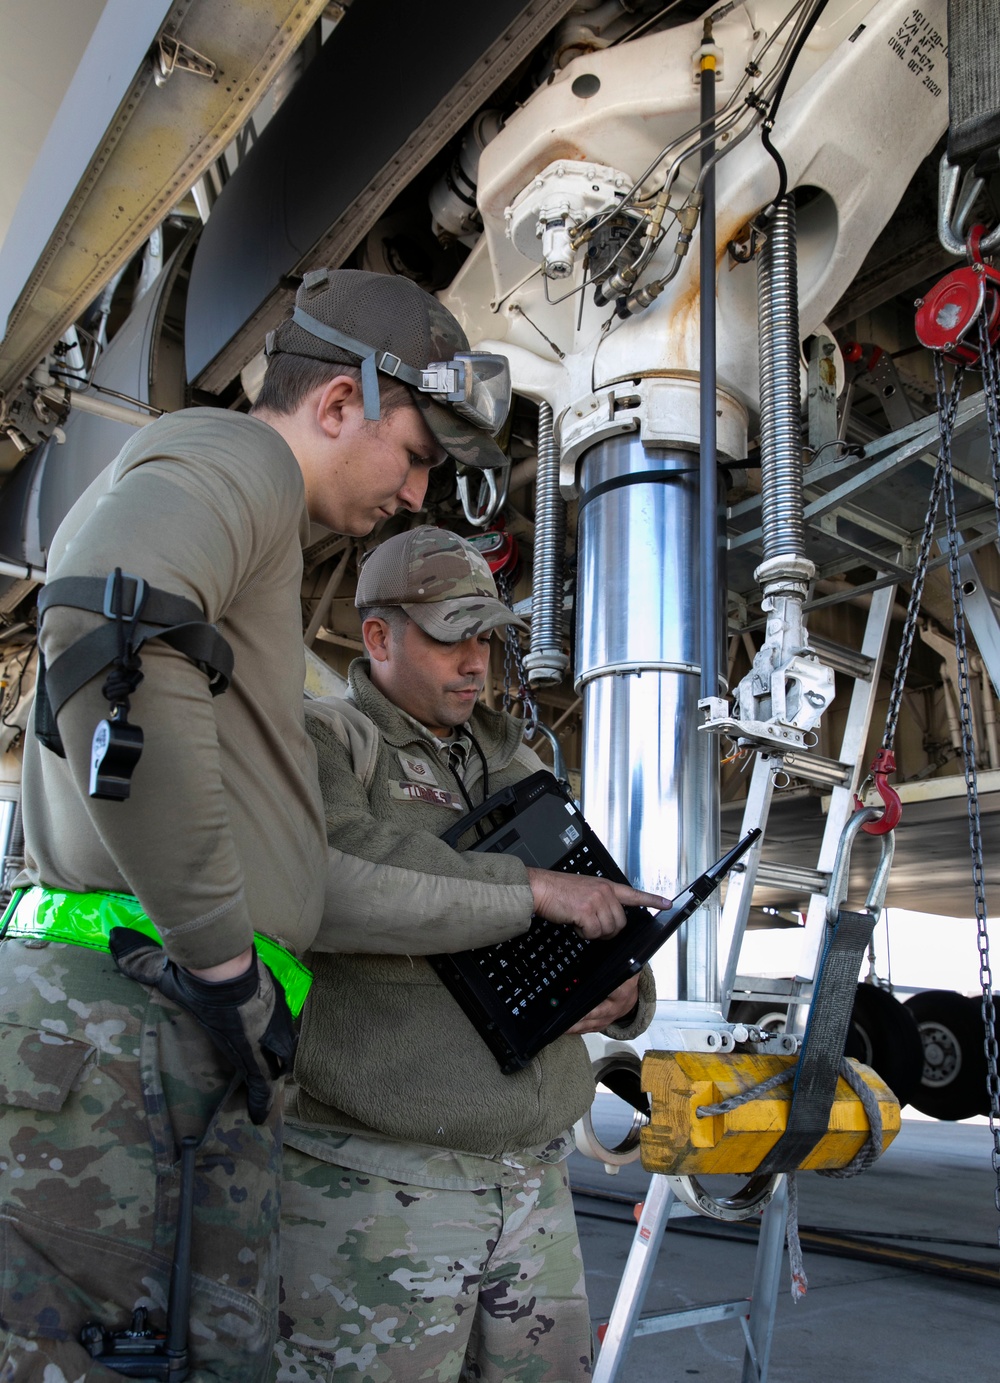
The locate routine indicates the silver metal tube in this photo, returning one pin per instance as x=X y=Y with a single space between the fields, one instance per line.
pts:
x=766 y=1278
x=708 y=516
x=21 y=571
x=650 y=780
x=780 y=389
x=101 y=407
x=546 y=662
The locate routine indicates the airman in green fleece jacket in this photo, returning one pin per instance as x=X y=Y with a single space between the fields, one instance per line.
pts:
x=427 y=1224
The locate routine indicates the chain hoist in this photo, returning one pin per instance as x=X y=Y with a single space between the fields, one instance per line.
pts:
x=885 y=759
x=966 y=299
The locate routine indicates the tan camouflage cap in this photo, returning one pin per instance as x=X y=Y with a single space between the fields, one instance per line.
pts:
x=388 y=313
x=442 y=582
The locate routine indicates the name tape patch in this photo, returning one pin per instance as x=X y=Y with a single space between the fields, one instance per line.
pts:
x=423 y=792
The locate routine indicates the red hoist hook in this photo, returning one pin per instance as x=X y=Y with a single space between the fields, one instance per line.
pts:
x=883 y=764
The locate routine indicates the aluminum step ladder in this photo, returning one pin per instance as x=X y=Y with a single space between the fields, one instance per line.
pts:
x=756 y=1313
x=841 y=776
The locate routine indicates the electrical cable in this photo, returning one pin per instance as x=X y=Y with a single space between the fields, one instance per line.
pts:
x=722 y=125
x=66 y=373
x=760 y=103
x=765 y=136
x=726 y=121
x=758 y=100
x=732 y=117
x=102 y=389
x=457 y=770
x=852 y=450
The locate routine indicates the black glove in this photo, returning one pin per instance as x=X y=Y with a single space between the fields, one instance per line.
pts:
x=247 y=1018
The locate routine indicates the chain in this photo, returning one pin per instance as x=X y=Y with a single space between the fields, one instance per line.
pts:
x=947 y=411
x=946 y=414
x=991 y=386
x=513 y=657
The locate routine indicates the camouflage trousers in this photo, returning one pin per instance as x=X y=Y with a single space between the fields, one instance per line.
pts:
x=100 y=1078
x=383 y=1282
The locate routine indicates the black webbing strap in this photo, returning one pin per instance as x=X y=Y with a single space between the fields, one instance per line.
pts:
x=93 y=593
x=823 y=1044
x=172 y=618
x=973 y=78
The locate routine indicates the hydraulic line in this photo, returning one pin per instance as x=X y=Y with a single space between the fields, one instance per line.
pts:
x=710 y=128
x=707 y=469
x=708 y=165
x=780 y=389
x=729 y=115
x=546 y=661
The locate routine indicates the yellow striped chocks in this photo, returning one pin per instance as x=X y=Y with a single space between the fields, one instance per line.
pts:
x=680 y=1143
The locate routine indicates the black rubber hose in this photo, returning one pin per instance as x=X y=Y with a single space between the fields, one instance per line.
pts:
x=768 y=126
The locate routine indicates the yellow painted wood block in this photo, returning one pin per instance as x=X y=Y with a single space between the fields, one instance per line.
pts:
x=680 y=1143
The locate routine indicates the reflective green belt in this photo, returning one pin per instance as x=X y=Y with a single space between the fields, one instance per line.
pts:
x=86 y=919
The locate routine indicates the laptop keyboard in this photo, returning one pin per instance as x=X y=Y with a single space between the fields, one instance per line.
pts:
x=522 y=993
x=539 y=969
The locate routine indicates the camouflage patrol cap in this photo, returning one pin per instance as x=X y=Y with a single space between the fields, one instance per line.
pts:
x=387 y=313
x=442 y=582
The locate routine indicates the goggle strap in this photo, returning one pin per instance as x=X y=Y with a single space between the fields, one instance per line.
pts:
x=369 y=389
x=371 y=361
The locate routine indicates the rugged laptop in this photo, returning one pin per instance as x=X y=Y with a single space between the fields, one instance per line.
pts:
x=523 y=993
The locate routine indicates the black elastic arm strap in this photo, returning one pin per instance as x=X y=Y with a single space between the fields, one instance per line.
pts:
x=172 y=618
x=823 y=1043
x=90 y=593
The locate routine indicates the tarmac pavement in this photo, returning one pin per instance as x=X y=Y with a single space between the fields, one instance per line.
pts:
x=929 y=1207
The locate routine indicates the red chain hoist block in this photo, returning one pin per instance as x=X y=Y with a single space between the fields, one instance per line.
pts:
x=498 y=547
x=946 y=317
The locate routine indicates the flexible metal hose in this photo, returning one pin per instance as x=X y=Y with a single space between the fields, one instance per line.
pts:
x=546 y=662
x=780 y=389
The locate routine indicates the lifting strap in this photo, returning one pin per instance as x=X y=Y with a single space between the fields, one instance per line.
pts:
x=158 y=615
x=818 y=1068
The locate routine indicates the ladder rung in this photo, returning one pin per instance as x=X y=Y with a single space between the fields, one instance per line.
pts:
x=753 y=989
x=774 y=874
x=691 y=1315
x=842 y=659
x=828 y=773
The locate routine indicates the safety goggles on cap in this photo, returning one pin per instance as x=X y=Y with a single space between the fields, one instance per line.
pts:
x=475 y=384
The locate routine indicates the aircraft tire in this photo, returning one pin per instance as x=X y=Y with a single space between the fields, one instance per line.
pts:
x=953 y=1078
x=771 y=1016
x=884 y=1035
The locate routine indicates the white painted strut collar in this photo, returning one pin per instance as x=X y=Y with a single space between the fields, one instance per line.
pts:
x=664 y=410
